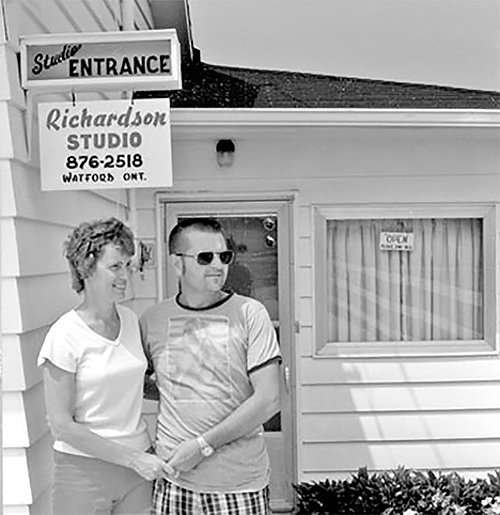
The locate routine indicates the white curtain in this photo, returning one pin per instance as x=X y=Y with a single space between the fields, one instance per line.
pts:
x=433 y=292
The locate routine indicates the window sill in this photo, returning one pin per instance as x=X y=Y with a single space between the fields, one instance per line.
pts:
x=407 y=349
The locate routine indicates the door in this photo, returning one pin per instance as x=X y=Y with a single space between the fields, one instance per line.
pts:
x=258 y=232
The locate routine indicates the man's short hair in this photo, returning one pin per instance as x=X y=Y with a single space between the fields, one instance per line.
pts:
x=187 y=224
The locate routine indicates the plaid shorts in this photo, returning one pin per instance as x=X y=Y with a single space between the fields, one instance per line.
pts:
x=170 y=499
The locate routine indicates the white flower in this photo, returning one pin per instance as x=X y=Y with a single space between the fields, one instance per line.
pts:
x=495 y=506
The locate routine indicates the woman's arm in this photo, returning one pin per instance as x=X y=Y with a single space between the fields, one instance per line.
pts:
x=59 y=387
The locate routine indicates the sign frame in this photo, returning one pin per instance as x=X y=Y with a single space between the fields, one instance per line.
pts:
x=120 y=82
x=105 y=144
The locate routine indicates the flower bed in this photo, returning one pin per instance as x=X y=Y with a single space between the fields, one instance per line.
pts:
x=401 y=492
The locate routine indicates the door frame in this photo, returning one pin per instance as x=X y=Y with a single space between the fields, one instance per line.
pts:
x=283 y=206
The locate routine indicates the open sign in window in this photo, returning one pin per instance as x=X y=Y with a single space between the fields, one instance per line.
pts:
x=396 y=241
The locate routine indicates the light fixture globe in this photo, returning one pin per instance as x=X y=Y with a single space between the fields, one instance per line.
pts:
x=225 y=152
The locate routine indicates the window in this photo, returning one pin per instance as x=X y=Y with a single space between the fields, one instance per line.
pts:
x=392 y=283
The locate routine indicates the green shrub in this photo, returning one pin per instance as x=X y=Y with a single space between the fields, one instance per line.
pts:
x=401 y=492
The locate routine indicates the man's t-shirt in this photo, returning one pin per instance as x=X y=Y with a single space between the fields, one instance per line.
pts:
x=202 y=359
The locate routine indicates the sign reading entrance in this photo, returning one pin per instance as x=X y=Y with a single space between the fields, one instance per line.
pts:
x=101 y=61
x=105 y=144
x=396 y=241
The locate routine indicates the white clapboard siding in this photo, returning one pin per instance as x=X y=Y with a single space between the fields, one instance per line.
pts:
x=9 y=86
x=26 y=414
x=323 y=458
x=399 y=427
x=418 y=370
x=27 y=472
x=55 y=17
x=35 y=298
x=13 y=124
x=373 y=397
x=65 y=209
x=41 y=505
x=142 y=15
x=146 y=221
x=36 y=284
x=21 y=351
x=33 y=234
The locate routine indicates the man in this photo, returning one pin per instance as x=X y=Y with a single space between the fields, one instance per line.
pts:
x=216 y=360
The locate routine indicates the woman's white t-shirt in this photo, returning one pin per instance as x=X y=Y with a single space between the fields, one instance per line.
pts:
x=109 y=377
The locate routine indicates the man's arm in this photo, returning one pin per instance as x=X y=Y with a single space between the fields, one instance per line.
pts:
x=257 y=409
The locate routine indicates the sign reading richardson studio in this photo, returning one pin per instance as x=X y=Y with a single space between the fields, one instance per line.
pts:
x=101 y=61
x=105 y=144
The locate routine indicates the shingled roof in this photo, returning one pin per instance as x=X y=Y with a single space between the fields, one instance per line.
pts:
x=211 y=86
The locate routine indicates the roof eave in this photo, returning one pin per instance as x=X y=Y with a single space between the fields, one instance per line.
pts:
x=268 y=118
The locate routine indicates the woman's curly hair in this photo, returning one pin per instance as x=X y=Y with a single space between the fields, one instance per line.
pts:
x=85 y=244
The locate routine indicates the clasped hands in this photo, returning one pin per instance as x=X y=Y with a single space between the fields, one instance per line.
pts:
x=186 y=456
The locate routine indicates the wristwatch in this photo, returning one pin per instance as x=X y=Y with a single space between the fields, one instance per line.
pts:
x=205 y=447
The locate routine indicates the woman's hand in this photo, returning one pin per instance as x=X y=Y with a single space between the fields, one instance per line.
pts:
x=149 y=466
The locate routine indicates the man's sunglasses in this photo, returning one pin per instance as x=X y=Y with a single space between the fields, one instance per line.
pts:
x=205 y=258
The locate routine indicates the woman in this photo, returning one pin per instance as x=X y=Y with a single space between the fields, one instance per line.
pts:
x=93 y=378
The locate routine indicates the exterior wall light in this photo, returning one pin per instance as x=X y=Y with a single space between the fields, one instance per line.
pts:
x=225 y=152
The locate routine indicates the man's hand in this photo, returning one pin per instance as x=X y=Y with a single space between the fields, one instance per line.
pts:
x=186 y=456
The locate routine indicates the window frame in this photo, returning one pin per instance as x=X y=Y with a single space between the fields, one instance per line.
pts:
x=489 y=345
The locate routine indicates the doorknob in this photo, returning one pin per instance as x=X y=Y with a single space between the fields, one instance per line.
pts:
x=286 y=376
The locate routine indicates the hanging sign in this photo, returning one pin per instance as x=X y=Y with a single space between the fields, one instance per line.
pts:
x=105 y=144
x=396 y=241
x=145 y=60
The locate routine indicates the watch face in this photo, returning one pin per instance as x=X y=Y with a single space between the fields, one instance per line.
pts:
x=207 y=450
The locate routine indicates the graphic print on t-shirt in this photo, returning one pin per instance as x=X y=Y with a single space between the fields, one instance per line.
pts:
x=197 y=360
